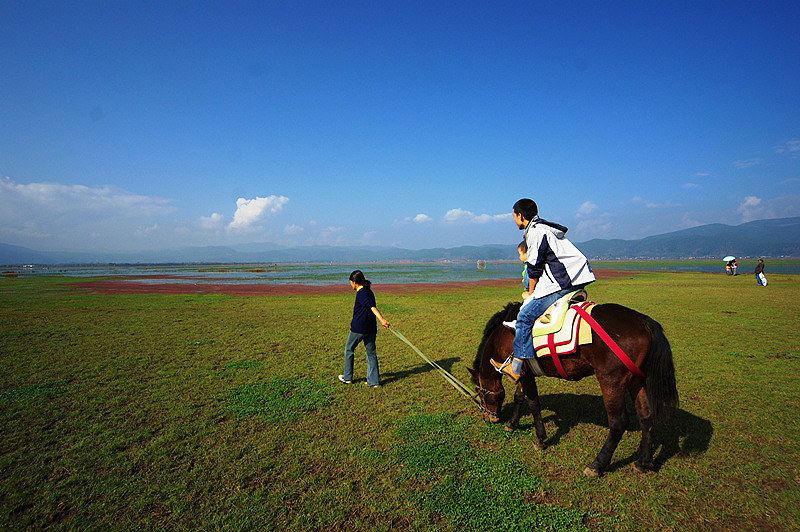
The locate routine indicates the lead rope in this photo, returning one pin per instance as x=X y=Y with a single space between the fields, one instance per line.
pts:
x=455 y=383
x=458 y=385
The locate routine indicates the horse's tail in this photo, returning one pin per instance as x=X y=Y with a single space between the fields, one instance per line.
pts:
x=662 y=393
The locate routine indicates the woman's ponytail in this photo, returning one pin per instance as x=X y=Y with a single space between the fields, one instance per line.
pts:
x=358 y=277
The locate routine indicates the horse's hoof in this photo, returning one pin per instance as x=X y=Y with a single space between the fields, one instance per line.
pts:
x=510 y=428
x=641 y=468
x=589 y=472
x=539 y=445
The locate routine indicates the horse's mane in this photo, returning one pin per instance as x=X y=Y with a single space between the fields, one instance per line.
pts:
x=508 y=313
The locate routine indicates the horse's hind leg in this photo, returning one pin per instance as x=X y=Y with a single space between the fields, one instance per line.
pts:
x=617 y=423
x=639 y=395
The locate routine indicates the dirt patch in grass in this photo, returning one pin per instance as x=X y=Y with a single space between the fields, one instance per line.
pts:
x=138 y=286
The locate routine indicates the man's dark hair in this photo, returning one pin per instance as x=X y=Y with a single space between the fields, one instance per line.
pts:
x=527 y=208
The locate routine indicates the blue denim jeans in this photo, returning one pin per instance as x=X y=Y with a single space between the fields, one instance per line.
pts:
x=523 y=341
x=353 y=339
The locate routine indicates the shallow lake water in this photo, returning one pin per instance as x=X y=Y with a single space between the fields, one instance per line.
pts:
x=385 y=273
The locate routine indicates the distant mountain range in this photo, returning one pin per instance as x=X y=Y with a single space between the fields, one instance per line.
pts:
x=778 y=237
x=762 y=238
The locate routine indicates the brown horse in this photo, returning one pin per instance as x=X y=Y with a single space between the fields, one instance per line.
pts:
x=639 y=336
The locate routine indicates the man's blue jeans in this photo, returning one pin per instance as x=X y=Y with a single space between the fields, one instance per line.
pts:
x=373 y=375
x=523 y=341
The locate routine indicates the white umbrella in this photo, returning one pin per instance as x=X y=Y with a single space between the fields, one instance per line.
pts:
x=729 y=258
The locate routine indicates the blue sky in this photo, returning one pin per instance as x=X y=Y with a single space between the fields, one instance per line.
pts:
x=146 y=125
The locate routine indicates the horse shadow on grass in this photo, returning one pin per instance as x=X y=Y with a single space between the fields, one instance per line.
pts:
x=681 y=435
x=445 y=363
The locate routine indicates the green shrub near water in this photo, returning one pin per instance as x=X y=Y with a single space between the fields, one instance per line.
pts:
x=210 y=411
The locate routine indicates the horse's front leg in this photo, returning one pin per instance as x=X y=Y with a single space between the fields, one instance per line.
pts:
x=528 y=393
x=516 y=413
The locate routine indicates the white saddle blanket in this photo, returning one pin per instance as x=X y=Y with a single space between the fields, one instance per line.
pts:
x=565 y=341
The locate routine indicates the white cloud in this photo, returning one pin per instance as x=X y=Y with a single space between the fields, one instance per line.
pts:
x=418 y=219
x=688 y=221
x=142 y=231
x=652 y=205
x=746 y=163
x=292 y=229
x=586 y=209
x=790 y=146
x=690 y=185
x=215 y=221
x=458 y=215
x=369 y=239
x=332 y=236
x=250 y=211
x=66 y=216
x=591 y=222
x=752 y=208
x=25 y=230
x=58 y=198
x=594 y=227
x=462 y=215
x=486 y=218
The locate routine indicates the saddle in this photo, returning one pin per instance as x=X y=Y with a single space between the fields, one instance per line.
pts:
x=565 y=341
x=560 y=330
x=553 y=319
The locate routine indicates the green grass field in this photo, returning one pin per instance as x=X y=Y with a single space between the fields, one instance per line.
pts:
x=208 y=411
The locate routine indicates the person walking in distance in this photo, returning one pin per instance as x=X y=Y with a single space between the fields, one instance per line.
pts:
x=761 y=279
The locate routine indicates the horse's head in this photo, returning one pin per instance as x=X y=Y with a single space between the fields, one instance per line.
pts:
x=491 y=393
x=497 y=343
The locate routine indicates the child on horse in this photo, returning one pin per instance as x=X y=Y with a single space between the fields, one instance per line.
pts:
x=555 y=268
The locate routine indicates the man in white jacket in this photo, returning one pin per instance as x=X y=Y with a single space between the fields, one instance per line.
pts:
x=555 y=268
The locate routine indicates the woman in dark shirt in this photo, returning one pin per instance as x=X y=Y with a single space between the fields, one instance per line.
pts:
x=363 y=328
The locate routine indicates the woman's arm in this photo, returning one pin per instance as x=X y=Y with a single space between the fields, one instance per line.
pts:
x=380 y=317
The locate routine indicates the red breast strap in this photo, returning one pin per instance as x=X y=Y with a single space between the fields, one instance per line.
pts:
x=609 y=341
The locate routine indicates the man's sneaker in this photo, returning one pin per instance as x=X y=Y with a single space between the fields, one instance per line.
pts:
x=342 y=379
x=372 y=385
x=505 y=369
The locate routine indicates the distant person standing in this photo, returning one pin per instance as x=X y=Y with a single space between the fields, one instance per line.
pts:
x=363 y=328
x=761 y=279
